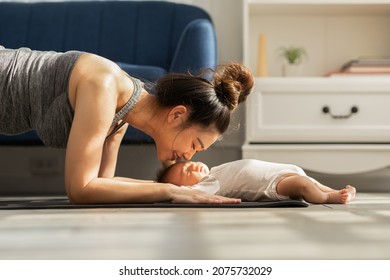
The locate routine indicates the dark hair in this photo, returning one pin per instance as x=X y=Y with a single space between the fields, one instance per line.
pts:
x=209 y=102
x=161 y=176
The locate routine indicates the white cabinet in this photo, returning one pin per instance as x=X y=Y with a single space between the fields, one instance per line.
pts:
x=319 y=110
x=332 y=125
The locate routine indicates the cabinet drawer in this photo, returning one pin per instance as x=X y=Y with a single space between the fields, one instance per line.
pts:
x=319 y=110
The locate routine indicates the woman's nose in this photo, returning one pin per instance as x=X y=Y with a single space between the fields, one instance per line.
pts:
x=187 y=156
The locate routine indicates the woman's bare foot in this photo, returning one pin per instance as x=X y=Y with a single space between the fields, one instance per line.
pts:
x=342 y=196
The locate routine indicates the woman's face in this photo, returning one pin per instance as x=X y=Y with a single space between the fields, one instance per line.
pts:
x=177 y=141
x=184 y=143
x=187 y=173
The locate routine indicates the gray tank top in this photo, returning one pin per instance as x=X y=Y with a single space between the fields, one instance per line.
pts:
x=34 y=94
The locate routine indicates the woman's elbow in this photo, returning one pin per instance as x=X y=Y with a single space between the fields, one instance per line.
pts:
x=77 y=194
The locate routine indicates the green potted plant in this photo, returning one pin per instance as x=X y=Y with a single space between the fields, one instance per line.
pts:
x=293 y=57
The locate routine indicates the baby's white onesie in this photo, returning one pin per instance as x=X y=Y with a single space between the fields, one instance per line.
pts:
x=248 y=179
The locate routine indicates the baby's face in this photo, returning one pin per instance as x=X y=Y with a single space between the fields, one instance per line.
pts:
x=187 y=173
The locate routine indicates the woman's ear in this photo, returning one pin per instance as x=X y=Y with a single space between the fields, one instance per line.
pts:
x=178 y=114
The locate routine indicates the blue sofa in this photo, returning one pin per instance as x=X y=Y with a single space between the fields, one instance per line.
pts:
x=147 y=39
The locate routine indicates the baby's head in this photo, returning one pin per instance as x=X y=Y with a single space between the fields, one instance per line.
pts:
x=184 y=173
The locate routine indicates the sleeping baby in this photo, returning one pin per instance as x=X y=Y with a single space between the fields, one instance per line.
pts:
x=254 y=180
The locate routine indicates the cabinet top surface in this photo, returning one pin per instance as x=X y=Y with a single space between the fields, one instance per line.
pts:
x=316 y=2
x=318 y=7
x=379 y=84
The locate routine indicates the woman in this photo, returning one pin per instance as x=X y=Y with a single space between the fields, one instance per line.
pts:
x=85 y=102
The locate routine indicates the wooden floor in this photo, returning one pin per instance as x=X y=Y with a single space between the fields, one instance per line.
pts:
x=360 y=230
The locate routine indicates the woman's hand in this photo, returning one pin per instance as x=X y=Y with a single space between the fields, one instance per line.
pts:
x=191 y=195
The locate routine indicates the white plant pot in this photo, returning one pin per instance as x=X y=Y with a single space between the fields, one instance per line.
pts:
x=291 y=70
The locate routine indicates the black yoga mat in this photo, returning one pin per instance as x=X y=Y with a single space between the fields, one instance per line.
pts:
x=63 y=203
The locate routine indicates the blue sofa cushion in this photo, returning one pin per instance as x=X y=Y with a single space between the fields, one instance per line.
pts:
x=30 y=138
x=133 y=32
x=186 y=58
x=144 y=72
x=27 y=138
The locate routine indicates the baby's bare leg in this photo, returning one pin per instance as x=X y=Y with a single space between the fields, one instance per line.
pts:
x=297 y=186
x=322 y=187
x=337 y=196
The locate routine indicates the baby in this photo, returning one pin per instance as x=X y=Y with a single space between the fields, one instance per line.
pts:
x=254 y=180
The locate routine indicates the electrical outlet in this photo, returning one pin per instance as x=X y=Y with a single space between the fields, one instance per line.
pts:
x=44 y=166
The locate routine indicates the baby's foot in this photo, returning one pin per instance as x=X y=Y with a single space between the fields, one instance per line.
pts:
x=351 y=193
x=342 y=196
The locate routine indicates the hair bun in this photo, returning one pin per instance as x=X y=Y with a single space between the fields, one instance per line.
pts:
x=233 y=83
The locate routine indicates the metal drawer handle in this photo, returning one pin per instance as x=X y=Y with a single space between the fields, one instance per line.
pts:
x=354 y=110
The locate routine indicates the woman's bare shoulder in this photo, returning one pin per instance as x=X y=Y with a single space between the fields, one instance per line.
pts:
x=92 y=66
x=98 y=74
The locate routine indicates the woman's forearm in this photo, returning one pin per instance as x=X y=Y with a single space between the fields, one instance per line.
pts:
x=107 y=190
x=131 y=180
